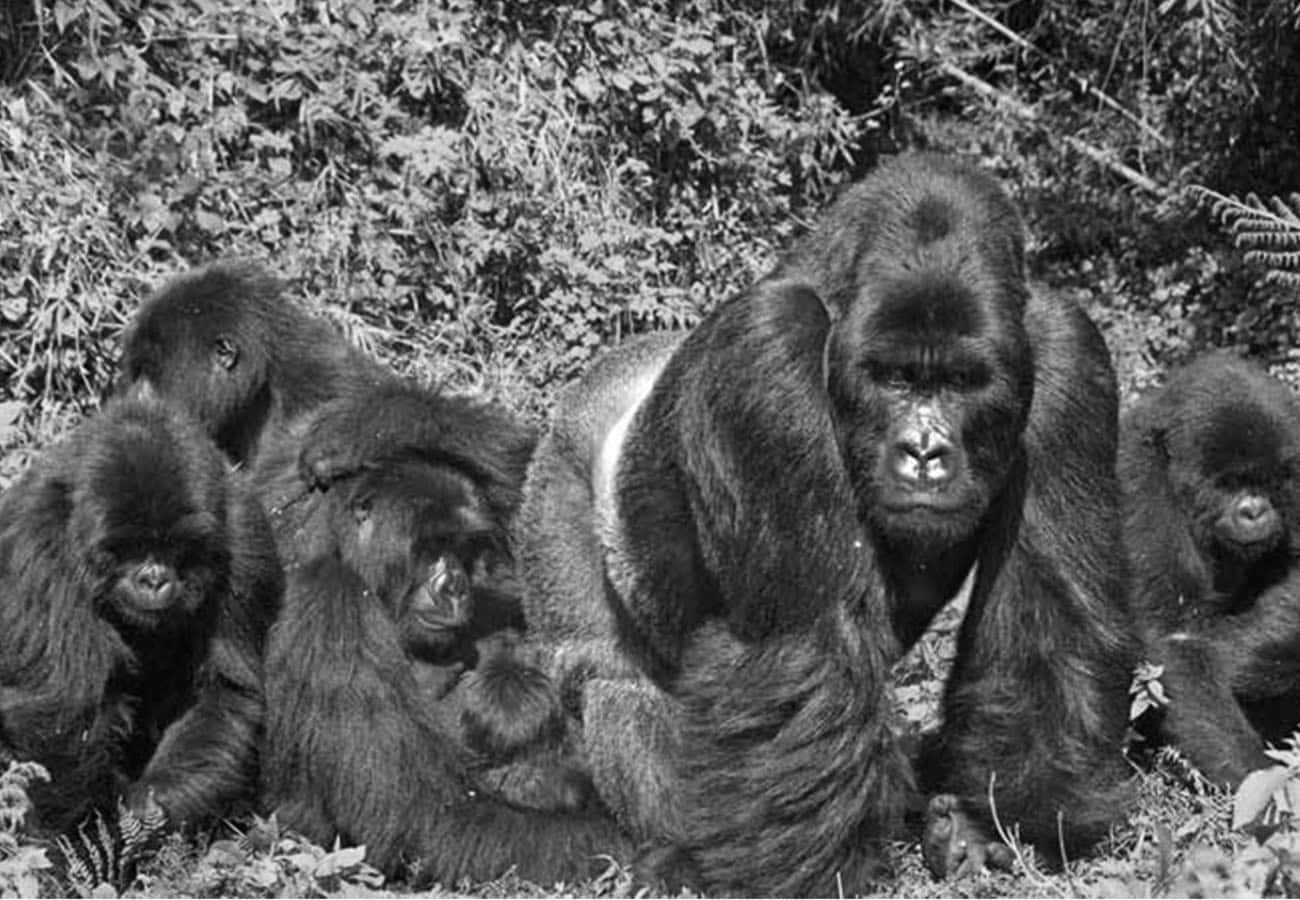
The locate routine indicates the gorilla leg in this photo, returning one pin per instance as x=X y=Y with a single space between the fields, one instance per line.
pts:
x=1204 y=719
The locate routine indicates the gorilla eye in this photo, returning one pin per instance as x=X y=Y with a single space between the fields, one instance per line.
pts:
x=227 y=353
x=969 y=379
x=361 y=510
x=889 y=376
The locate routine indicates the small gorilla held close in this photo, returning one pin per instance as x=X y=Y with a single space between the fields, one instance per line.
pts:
x=136 y=589
x=390 y=690
x=1210 y=466
x=728 y=538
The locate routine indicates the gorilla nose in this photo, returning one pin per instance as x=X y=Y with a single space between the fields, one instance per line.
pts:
x=153 y=578
x=1252 y=509
x=450 y=580
x=925 y=458
x=1254 y=519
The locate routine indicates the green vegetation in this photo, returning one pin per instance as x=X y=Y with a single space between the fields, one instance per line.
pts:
x=484 y=193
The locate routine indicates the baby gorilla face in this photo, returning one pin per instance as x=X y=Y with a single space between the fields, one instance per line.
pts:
x=1248 y=524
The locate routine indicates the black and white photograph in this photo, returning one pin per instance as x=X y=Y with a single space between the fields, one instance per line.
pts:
x=687 y=448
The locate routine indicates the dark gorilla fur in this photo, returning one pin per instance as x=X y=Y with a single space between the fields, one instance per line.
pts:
x=1210 y=466
x=356 y=747
x=256 y=369
x=136 y=590
x=224 y=343
x=727 y=540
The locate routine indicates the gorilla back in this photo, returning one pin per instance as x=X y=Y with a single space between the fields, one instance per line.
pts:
x=729 y=539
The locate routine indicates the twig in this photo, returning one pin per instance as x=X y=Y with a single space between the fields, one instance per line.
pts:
x=1013 y=844
x=1065 y=857
x=1027 y=113
x=1097 y=93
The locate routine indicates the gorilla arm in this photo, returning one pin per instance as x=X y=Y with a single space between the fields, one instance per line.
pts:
x=1059 y=522
x=208 y=757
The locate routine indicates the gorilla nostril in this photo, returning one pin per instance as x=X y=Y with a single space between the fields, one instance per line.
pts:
x=937 y=465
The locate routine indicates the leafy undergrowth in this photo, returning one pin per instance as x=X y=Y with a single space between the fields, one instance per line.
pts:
x=1178 y=840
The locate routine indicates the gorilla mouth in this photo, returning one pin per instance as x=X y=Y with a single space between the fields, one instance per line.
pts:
x=1250 y=547
x=139 y=618
x=922 y=502
x=431 y=624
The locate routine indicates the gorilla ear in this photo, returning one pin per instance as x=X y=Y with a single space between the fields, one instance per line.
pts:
x=226 y=353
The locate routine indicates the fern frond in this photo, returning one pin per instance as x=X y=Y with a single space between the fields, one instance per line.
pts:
x=1267 y=229
x=1285 y=279
x=104 y=852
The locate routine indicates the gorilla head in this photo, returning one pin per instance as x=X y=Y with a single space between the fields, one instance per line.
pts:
x=930 y=368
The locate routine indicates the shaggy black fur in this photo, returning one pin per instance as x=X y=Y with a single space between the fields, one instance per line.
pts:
x=729 y=538
x=360 y=746
x=259 y=371
x=136 y=589
x=1210 y=466
x=224 y=343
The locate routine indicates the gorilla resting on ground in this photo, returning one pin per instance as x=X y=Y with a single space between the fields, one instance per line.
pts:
x=1210 y=467
x=728 y=539
x=360 y=746
x=136 y=590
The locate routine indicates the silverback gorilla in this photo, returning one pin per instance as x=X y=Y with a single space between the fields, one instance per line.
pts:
x=728 y=538
x=1209 y=468
x=357 y=746
x=136 y=590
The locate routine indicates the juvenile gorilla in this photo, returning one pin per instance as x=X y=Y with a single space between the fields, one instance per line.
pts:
x=360 y=745
x=226 y=345
x=1209 y=466
x=728 y=538
x=260 y=372
x=136 y=590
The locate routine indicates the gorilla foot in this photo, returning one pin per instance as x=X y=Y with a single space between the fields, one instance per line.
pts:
x=955 y=846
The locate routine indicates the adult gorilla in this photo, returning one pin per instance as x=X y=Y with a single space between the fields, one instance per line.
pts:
x=729 y=539
x=359 y=746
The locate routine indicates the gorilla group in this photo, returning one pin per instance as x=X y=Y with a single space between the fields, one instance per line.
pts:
x=1211 y=472
x=273 y=574
x=729 y=537
x=391 y=506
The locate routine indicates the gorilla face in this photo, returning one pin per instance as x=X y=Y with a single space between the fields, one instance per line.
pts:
x=937 y=394
x=420 y=533
x=1236 y=473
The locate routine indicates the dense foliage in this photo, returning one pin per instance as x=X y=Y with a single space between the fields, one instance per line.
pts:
x=488 y=191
